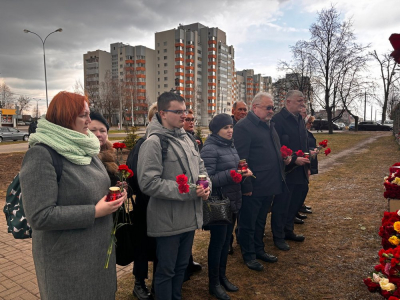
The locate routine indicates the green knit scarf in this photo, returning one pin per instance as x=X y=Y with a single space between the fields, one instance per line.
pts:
x=77 y=147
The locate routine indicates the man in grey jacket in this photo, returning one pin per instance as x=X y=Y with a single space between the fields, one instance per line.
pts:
x=172 y=217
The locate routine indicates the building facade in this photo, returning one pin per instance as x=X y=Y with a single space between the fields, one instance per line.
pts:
x=195 y=61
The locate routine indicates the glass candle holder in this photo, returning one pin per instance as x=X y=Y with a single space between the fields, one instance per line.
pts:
x=113 y=194
x=242 y=165
x=202 y=181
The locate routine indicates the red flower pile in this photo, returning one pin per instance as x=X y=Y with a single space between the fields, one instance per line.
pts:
x=386 y=231
x=392 y=185
x=285 y=152
x=119 y=145
x=236 y=176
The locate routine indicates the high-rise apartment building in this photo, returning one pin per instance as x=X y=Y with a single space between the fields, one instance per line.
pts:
x=195 y=61
x=133 y=67
x=96 y=64
x=249 y=84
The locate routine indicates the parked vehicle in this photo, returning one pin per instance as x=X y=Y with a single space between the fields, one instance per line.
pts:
x=321 y=124
x=373 y=126
x=21 y=123
x=352 y=126
x=12 y=134
x=340 y=125
x=388 y=123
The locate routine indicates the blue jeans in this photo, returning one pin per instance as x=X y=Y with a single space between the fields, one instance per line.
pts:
x=173 y=254
x=253 y=216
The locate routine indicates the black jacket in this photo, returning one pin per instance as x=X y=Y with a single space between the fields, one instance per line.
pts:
x=258 y=143
x=200 y=145
x=312 y=144
x=220 y=157
x=293 y=134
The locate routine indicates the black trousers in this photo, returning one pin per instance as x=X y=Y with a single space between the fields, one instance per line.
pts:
x=298 y=193
x=218 y=252
x=253 y=216
x=279 y=210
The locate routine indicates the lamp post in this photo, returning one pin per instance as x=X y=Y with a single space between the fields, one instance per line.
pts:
x=44 y=56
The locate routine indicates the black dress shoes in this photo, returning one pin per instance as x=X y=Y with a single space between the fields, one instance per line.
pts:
x=294 y=237
x=267 y=257
x=254 y=265
x=141 y=292
x=218 y=292
x=298 y=221
x=308 y=207
x=195 y=267
x=300 y=216
x=305 y=210
x=281 y=245
x=229 y=286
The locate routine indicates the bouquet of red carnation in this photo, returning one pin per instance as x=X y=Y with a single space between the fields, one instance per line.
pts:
x=327 y=151
x=392 y=185
x=183 y=185
x=236 y=176
x=286 y=152
x=299 y=153
x=390 y=230
x=322 y=144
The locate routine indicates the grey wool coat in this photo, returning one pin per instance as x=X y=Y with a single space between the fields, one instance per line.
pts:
x=69 y=244
x=169 y=212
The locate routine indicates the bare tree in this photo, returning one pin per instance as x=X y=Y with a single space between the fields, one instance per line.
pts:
x=6 y=96
x=108 y=102
x=24 y=103
x=331 y=49
x=388 y=76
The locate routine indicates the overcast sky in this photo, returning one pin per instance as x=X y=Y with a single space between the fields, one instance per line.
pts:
x=261 y=32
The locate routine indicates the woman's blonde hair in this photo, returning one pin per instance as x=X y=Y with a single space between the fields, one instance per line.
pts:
x=152 y=110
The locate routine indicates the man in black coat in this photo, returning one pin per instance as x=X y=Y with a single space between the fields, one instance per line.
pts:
x=257 y=141
x=292 y=133
x=239 y=111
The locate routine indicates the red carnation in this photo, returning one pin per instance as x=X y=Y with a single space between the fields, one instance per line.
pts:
x=181 y=179
x=372 y=286
x=393 y=298
x=323 y=144
x=327 y=151
x=285 y=151
x=299 y=153
x=123 y=168
x=130 y=173
x=236 y=176
x=183 y=188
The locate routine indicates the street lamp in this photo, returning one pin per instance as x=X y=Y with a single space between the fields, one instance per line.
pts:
x=44 y=56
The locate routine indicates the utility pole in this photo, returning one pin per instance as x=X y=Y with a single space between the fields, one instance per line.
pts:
x=371 y=112
x=365 y=106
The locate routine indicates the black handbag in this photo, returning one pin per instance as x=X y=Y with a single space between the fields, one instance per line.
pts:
x=217 y=210
x=125 y=237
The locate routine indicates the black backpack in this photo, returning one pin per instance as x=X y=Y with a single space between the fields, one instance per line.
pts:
x=14 y=209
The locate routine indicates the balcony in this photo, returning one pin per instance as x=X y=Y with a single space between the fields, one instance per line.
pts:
x=179 y=45
x=179 y=59
x=190 y=46
x=140 y=69
x=129 y=69
x=212 y=42
x=189 y=53
x=140 y=61
x=179 y=67
x=129 y=61
x=212 y=49
x=211 y=104
x=179 y=52
x=189 y=68
x=189 y=60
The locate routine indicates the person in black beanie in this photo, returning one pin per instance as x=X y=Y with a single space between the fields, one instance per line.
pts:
x=220 y=158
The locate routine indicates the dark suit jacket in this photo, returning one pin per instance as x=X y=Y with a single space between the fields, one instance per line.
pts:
x=293 y=134
x=258 y=143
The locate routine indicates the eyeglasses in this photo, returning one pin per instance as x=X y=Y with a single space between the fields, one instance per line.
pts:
x=177 y=111
x=267 y=107
x=189 y=119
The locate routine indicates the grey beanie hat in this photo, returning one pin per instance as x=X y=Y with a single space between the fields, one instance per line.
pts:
x=219 y=121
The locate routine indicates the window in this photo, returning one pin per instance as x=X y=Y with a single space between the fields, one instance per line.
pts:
x=158 y=44
x=158 y=72
x=158 y=65
x=165 y=57
x=121 y=58
x=165 y=71
x=120 y=66
x=158 y=51
x=165 y=64
x=166 y=85
x=165 y=78
x=158 y=58
x=165 y=50
x=158 y=79
x=165 y=43
x=158 y=86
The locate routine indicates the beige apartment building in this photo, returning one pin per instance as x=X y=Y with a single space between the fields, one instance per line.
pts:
x=134 y=68
x=96 y=64
x=196 y=61
x=249 y=84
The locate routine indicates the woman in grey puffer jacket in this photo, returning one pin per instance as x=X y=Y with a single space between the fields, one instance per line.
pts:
x=220 y=157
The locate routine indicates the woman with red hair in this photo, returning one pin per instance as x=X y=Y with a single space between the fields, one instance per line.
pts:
x=70 y=218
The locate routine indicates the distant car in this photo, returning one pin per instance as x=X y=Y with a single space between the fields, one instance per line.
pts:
x=340 y=125
x=28 y=123
x=352 y=126
x=12 y=134
x=373 y=126
x=388 y=123
x=21 y=123
x=321 y=124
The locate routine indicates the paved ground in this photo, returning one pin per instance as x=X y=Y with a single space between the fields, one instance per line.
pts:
x=17 y=271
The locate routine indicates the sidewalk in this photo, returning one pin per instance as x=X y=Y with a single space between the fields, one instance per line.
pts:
x=17 y=271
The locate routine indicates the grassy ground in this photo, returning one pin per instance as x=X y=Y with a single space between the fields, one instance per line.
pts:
x=342 y=239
